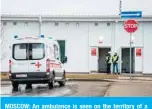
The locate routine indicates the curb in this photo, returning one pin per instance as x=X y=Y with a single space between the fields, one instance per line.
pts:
x=96 y=77
x=7 y=82
x=135 y=79
x=108 y=80
x=96 y=80
x=104 y=79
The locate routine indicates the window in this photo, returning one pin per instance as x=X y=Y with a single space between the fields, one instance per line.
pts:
x=37 y=51
x=56 y=24
x=77 y=23
x=62 y=49
x=32 y=51
x=26 y=23
x=51 y=52
x=14 y=23
x=96 y=24
x=67 y=24
x=22 y=46
x=56 y=52
x=19 y=52
x=4 y=23
x=108 y=24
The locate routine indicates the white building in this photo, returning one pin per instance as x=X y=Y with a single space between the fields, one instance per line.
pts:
x=80 y=34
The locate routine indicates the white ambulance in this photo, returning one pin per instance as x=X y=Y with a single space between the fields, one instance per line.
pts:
x=35 y=60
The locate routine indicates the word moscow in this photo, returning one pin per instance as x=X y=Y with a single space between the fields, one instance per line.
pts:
x=36 y=106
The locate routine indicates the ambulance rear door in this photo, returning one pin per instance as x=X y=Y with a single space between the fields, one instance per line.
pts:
x=19 y=60
x=37 y=60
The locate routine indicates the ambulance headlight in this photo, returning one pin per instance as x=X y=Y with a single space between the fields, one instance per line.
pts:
x=15 y=36
x=42 y=36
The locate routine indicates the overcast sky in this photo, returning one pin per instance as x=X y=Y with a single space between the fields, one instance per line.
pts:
x=75 y=6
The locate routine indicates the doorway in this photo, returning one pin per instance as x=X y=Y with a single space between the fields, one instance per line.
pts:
x=102 y=59
x=125 y=57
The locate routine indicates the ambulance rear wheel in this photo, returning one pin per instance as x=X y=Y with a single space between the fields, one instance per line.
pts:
x=28 y=86
x=15 y=86
x=62 y=83
x=51 y=83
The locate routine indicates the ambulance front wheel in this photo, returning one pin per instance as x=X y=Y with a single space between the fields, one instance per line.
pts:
x=62 y=83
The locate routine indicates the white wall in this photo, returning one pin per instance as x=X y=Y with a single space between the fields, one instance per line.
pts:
x=147 y=48
x=78 y=46
x=102 y=30
x=117 y=37
x=122 y=39
x=76 y=37
x=22 y=31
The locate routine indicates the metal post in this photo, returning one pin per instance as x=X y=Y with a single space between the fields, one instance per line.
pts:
x=130 y=55
x=89 y=50
x=40 y=23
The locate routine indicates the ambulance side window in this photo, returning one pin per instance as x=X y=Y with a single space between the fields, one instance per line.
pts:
x=56 y=52
x=51 y=53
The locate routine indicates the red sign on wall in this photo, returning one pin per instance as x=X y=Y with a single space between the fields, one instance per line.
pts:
x=93 y=52
x=138 y=52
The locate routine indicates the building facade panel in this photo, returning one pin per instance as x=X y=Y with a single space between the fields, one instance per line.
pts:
x=100 y=31
x=76 y=42
x=147 y=52
x=9 y=29
x=122 y=40
x=81 y=37
x=77 y=48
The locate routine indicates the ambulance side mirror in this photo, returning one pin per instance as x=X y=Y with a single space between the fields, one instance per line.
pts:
x=64 y=60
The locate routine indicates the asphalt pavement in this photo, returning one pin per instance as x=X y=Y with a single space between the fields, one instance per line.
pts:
x=37 y=90
x=72 y=88
x=84 y=88
x=130 y=88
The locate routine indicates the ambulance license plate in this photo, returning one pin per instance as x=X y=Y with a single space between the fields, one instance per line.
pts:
x=21 y=75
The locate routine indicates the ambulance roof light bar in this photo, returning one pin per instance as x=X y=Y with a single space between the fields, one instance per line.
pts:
x=15 y=36
x=41 y=36
x=49 y=37
x=33 y=37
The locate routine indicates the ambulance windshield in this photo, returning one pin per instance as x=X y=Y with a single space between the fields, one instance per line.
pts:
x=31 y=51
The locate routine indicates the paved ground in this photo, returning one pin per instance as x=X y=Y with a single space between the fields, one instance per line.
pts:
x=84 y=88
x=37 y=90
x=127 y=88
x=92 y=88
x=71 y=89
